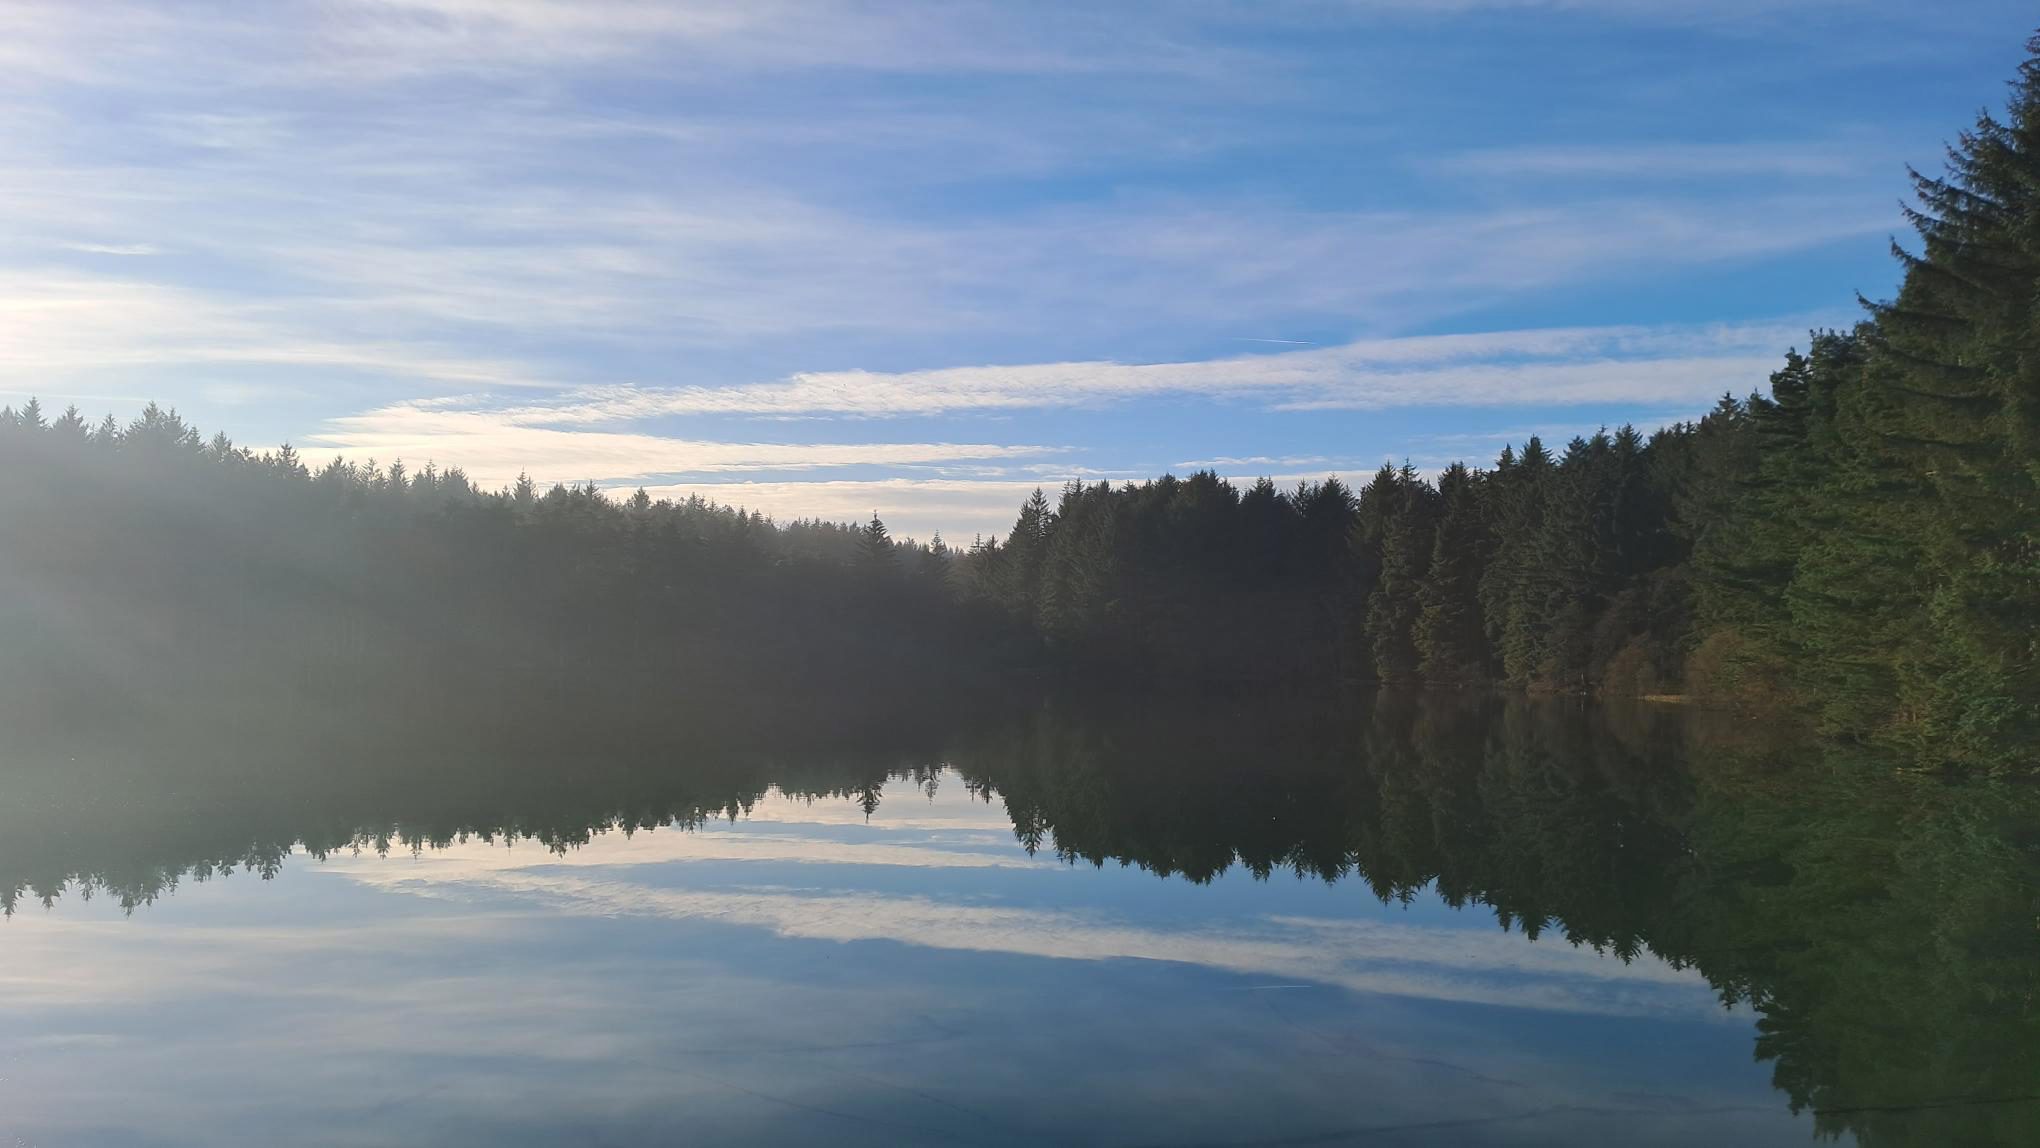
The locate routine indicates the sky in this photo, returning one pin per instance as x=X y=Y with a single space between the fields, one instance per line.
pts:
x=828 y=258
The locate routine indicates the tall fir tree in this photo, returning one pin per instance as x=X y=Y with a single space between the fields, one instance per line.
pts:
x=1405 y=558
x=1448 y=635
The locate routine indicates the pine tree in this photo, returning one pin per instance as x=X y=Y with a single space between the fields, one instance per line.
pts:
x=875 y=545
x=1953 y=397
x=1076 y=604
x=1512 y=597
x=1448 y=634
x=70 y=425
x=1368 y=524
x=1405 y=558
x=1025 y=553
x=289 y=465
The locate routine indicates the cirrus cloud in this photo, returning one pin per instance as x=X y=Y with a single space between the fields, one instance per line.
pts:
x=494 y=447
x=1501 y=368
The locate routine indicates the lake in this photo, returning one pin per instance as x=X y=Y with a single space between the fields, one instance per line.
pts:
x=1097 y=921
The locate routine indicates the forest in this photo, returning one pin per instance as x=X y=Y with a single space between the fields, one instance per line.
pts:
x=1857 y=542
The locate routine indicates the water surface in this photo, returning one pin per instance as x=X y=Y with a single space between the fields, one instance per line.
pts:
x=1400 y=922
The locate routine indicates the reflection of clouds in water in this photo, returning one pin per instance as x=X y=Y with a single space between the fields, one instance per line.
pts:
x=1471 y=965
x=904 y=805
x=721 y=843
x=51 y=962
x=473 y=985
x=952 y=831
x=536 y=1028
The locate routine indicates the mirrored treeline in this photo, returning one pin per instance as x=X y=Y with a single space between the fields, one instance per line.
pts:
x=1880 y=922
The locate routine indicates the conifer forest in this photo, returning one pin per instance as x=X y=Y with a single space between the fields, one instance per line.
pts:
x=1855 y=539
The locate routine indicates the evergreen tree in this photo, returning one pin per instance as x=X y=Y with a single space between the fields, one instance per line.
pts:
x=70 y=425
x=875 y=545
x=1026 y=552
x=289 y=465
x=1405 y=559
x=1950 y=417
x=1076 y=604
x=1448 y=635
x=1512 y=596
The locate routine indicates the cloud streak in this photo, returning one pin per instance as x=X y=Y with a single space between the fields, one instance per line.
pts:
x=605 y=434
x=1810 y=159
x=59 y=329
x=1546 y=367
x=1484 y=966
x=494 y=447
x=957 y=508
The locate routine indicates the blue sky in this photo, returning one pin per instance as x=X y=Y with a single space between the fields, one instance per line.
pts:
x=829 y=257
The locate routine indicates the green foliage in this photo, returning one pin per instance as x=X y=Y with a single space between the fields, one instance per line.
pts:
x=155 y=566
x=1448 y=633
x=1862 y=542
x=1393 y=609
x=1882 y=560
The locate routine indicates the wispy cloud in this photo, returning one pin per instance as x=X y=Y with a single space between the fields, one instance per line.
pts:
x=957 y=508
x=1662 y=161
x=396 y=40
x=1502 y=368
x=494 y=446
x=439 y=237
x=454 y=216
x=1675 y=10
x=59 y=329
x=609 y=434
x=113 y=248
x=1245 y=462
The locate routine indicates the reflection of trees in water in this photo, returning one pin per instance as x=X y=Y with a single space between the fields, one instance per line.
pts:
x=1882 y=924
x=127 y=812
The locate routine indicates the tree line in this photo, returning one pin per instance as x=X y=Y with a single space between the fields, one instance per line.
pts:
x=149 y=566
x=1861 y=543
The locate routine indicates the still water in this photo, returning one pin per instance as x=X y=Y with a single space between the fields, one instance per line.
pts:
x=1386 y=923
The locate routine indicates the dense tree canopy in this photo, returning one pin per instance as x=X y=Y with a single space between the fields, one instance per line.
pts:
x=145 y=564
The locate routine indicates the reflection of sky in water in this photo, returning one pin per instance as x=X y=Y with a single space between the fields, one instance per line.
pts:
x=803 y=977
